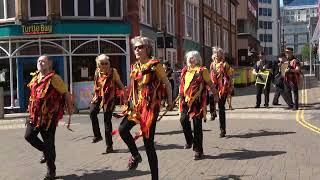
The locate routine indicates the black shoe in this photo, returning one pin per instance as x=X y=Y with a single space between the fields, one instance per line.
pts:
x=289 y=108
x=43 y=159
x=50 y=175
x=276 y=104
x=109 y=150
x=223 y=134
x=96 y=139
x=133 y=162
x=266 y=105
x=213 y=117
x=198 y=155
x=187 y=146
x=257 y=106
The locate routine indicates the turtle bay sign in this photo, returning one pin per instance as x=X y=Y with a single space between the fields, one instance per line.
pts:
x=35 y=29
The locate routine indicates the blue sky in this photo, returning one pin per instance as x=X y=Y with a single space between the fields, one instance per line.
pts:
x=281 y=3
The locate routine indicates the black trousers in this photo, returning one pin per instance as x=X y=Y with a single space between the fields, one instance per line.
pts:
x=47 y=145
x=222 y=111
x=292 y=87
x=124 y=131
x=94 y=111
x=266 y=90
x=197 y=138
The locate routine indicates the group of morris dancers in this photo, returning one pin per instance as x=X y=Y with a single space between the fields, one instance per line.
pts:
x=49 y=97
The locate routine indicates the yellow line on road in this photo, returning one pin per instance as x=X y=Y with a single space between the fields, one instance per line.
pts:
x=300 y=113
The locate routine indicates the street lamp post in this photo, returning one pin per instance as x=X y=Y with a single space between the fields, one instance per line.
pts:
x=310 y=60
x=265 y=40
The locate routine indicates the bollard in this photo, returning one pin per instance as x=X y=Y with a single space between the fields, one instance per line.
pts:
x=1 y=103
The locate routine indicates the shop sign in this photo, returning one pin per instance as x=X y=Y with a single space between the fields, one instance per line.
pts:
x=34 y=29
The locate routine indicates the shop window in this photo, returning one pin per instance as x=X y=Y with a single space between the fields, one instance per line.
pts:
x=37 y=8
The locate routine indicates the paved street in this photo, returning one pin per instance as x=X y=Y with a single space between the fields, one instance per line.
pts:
x=261 y=143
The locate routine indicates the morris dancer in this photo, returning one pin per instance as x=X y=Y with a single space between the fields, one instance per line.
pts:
x=48 y=96
x=221 y=77
x=193 y=105
x=105 y=82
x=147 y=75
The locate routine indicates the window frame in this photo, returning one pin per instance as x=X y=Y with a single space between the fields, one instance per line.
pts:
x=207 y=2
x=233 y=14
x=207 y=31
x=170 y=4
x=92 y=17
x=38 y=17
x=225 y=40
x=195 y=21
x=5 y=12
x=150 y=8
x=226 y=10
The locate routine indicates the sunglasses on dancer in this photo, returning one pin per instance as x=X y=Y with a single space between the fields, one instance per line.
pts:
x=139 y=47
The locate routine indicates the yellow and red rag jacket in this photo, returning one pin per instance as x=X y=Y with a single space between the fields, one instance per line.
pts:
x=46 y=104
x=220 y=74
x=104 y=87
x=146 y=90
x=194 y=95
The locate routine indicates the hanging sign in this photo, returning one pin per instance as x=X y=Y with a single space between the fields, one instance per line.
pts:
x=34 y=29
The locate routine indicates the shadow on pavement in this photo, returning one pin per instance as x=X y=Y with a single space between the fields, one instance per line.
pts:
x=229 y=177
x=81 y=138
x=103 y=174
x=159 y=147
x=243 y=154
x=260 y=133
x=176 y=132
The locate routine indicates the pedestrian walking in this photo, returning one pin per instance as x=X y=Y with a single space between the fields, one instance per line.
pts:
x=48 y=97
x=292 y=77
x=278 y=80
x=147 y=75
x=106 y=80
x=193 y=105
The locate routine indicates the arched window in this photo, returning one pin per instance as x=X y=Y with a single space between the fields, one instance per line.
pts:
x=38 y=9
x=7 y=9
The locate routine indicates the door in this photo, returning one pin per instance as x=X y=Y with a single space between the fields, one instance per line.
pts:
x=25 y=66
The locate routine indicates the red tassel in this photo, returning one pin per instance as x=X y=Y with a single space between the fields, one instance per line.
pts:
x=115 y=132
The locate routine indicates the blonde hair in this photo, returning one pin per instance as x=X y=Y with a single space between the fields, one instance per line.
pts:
x=102 y=57
x=143 y=41
x=196 y=56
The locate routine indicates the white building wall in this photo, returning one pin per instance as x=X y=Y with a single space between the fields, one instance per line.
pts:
x=275 y=31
